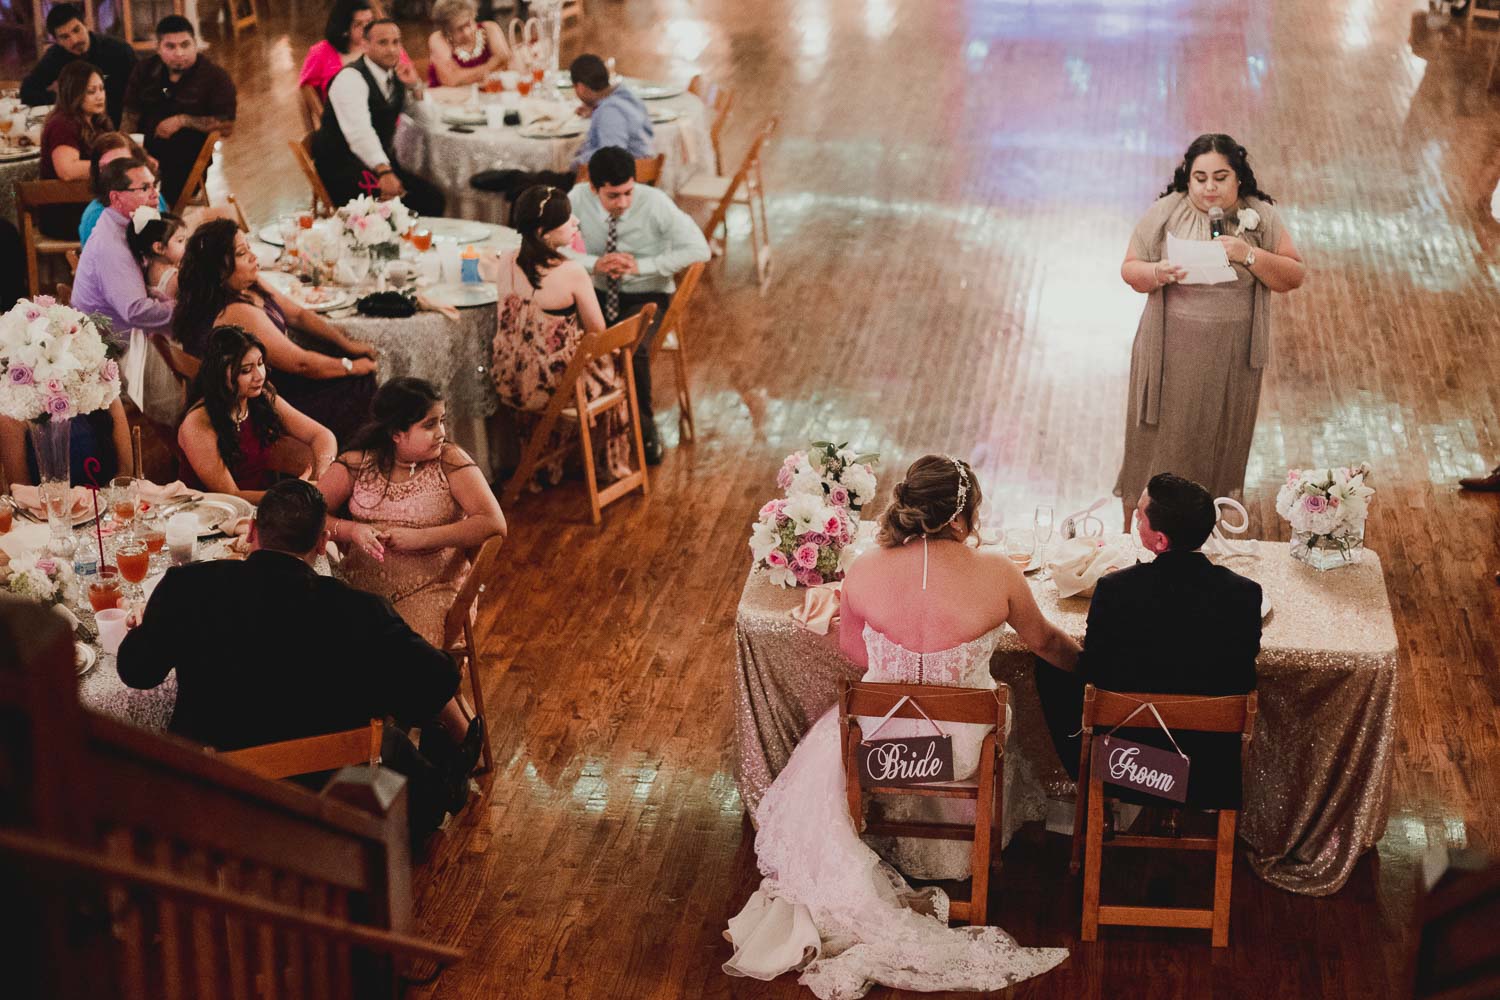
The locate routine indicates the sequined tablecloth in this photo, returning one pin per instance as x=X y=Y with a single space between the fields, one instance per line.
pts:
x=448 y=159
x=10 y=173
x=1317 y=775
x=102 y=690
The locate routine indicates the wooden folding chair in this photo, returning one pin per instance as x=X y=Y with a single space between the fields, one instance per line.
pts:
x=746 y=188
x=239 y=215
x=193 y=190
x=980 y=706
x=241 y=15
x=647 y=171
x=1185 y=713
x=311 y=103
x=718 y=100
x=72 y=257
x=322 y=202
x=619 y=340
x=31 y=198
x=458 y=628
x=670 y=337
x=312 y=753
x=64 y=294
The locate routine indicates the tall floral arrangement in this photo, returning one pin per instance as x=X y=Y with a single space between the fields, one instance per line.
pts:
x=804 y=536
x=1326 y=507
x=54 y=362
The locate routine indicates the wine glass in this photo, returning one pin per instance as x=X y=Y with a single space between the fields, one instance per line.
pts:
x=133 y=560
x=1020 y=546
x=124 y=497
x=1041 y=523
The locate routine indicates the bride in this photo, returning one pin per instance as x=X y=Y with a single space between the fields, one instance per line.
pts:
x=931 y=612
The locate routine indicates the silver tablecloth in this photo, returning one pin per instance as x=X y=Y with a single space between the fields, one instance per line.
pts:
x=1317 y=777
x=10 y=173
x=427 y=147
x=102 y=690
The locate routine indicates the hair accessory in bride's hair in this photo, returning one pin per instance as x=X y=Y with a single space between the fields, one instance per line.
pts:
x=143 y=215
x=963 y=489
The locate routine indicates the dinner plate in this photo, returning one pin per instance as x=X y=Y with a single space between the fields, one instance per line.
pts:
x=660 y=116
x=1265 y=603
x=271 y=234
x=217 y=511
x=318 y=298
x=455 y=230
x=84 y=658
x=462 y=295
x=17 y=154
x=552 y=128
x=464 y=116
x=657 y=91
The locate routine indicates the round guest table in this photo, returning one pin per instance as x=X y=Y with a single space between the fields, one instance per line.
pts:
x=12 y=172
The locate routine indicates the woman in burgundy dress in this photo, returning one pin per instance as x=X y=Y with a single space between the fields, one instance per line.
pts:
x=463 y=50
x=238 y=435
x=75 y=121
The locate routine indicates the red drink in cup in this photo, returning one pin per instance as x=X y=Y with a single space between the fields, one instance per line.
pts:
x=104 y=589
x=134 y=560
x=523 y=85
x=421 y=239
x=537 y=74
x=124 y=510
x=154 y=539
x=7 y=518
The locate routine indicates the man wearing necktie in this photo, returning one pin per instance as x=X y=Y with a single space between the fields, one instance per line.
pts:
x=635 y=241
x=354 y=147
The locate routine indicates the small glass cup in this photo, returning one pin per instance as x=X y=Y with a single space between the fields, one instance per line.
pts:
x=1020 y=546
x=124 y=498
x=7 y=517
x=133 y=560
x=103 y=588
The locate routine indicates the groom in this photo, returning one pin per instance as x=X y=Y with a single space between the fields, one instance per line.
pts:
x=1176 y=625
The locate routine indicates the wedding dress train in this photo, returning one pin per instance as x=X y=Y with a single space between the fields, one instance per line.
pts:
x=828 y=904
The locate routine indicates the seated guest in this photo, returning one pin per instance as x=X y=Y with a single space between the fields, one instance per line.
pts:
x=636 y=239
x=1176 y=625
x=318 y=369
x=418 y=506
x=157 y=239
x=103 y=435
x=325 y=657
x=75 y=121
x=616 y=116
x=111 y=146
x=343 y=42
x=176 y=98
x=354 y=147
x=109 y=281
x=547 y=304
x=72 y=41
x=463 y=50
x=238 y=435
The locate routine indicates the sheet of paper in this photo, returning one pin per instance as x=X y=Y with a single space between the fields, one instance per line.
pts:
x=1205 y=261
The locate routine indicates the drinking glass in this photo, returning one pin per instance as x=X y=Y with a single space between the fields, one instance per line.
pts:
x=1020 y=546
x=1041 y=523
x=124 y=498
x=5 y=127
x=133 y=560
x=103 y=588
x=155 y=537
x=421 y=240
x=523 y=86
x=7 y=517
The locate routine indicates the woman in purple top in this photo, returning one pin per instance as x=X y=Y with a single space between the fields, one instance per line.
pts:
x=463 y=50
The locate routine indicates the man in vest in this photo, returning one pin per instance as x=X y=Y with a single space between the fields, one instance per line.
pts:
x=354 y=146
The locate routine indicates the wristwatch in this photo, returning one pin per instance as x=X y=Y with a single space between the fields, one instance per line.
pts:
x=1250 y=258
x=348 y=365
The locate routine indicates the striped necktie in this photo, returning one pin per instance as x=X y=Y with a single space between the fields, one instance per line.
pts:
x=612 y=287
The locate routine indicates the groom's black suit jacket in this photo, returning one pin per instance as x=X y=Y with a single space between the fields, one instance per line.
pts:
x=1177 y=625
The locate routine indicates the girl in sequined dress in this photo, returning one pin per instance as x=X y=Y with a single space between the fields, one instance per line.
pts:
x=417 y=506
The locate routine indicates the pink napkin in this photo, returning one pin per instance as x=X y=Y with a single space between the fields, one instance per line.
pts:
x=820 y=606
x=423 y=302
x=31 y=498
x=151 y=493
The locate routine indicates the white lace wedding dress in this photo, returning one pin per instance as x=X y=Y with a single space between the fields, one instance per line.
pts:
x=828 y=904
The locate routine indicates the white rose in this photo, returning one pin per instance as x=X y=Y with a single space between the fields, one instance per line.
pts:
x=781 y=576
x=861 y=482
x=806 y=482
x=1249 y=219
x=763 y=540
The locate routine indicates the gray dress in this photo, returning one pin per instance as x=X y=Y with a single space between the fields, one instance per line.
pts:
x=1196 y=366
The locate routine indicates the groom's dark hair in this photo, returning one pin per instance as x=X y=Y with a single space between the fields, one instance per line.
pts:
x=1180 y=509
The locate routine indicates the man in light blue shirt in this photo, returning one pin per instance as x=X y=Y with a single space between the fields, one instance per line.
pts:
x=616 y=116
x=636 y=239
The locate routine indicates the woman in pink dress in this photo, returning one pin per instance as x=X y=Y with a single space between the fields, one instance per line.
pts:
x=417 y=506
x=343 y=42
x=463 y=50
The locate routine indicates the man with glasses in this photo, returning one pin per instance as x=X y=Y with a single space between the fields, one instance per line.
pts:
x=72 y=40
x=109 y=281
x=176 y=98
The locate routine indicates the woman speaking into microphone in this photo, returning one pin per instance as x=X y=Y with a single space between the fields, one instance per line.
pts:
x=1200 y=349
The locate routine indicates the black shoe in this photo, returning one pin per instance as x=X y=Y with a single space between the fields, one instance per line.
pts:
x=651 y=440
x=461 y=764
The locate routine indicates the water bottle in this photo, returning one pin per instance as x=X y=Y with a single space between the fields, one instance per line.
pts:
x=85 y=560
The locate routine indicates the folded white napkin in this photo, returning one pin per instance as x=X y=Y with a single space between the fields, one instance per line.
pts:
x=1078 y=563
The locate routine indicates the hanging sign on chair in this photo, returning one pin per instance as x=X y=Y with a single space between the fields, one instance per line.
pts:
x=905 y=761
x=1145 y=769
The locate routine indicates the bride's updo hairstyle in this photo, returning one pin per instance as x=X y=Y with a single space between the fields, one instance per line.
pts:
x=937 y=493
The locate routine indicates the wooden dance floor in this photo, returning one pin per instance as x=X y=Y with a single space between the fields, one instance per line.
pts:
x=951 y=192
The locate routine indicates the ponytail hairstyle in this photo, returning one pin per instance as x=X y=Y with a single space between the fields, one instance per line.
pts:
x=938 y=493
x=1239 y=161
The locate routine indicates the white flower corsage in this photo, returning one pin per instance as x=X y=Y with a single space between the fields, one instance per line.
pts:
x=1249 y=219
x=143 y=215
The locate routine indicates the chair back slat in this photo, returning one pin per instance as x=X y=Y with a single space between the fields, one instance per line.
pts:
x=647 y=171
x=37 y=194
x=483 y=571
x=626 y=333
x=322 y=201
x=193 y=191
x=687 y=283
x=741 y=177
x=1189 y=712
x=942 y=704
x=312 y=753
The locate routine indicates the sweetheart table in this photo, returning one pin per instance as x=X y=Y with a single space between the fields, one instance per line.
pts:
x=1317 y=773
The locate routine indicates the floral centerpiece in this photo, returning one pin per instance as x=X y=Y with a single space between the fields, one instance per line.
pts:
x=376 y=226
x=1326 y=509
x=804 y=537
x=41 y=578
x=54 y=362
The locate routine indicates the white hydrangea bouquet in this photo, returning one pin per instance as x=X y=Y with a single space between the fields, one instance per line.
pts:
x=55 y=362
x=804 y=537
x=41 y=578
x=371 y=224
x=1326 y=509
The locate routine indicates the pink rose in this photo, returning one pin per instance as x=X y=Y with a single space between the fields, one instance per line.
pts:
x=817 y=538
x=775 y=558
x=769 y=510
x=56 y=405
x=1314 y=504
x=784 y=477
x=806 y=555
x=809 y=577
x=54 y=387
x=1292 y=475
x=47 y=566
x=20 y=375
x=45 y=301
x=832 y=525
x=838 y=496
x=111 y=371
x=33 y=314
x=1333 y=503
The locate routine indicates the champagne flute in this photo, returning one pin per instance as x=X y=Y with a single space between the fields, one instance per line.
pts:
x=1041 y=523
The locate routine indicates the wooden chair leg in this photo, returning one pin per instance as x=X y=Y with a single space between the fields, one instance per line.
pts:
x=1223 y=876
x=684 y=393
x=1079 y=804
x=633 y=414
x=984 y=812
x=471 y=662
x=1093 y=860
x=586 y=442
x=999 y=797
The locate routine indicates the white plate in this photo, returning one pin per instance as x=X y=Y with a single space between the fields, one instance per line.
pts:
x=1265 y=603
x=553 y=129
x=271 y=234
x=657 y=91
x=219 y=510
x=454 y=230
x=463 y=295
x=660 y=116
x=464 y=116
x=286 y=284
x=19 y=154
x=83 y=657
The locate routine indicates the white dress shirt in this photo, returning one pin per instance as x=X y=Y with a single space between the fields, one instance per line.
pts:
x=349 y=95
x=661 y=237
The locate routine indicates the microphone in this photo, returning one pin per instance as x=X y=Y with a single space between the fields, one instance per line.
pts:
x=1216 y=222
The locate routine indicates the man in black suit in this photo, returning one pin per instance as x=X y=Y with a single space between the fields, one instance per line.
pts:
x=267 y=650
x=71 y=41
x=1176 y=625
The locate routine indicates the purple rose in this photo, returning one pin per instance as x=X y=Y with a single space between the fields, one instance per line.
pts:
x=1314 y=504
x=838 y=496
x=58 y=406
x=111 y=371
x=21 y=375
x=809 y=577
x=817 y=538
